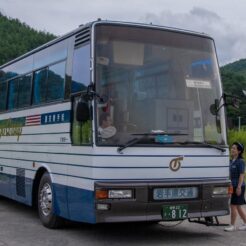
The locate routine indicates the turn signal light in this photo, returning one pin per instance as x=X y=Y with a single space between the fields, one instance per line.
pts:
x=230 y=190
x=101 y=194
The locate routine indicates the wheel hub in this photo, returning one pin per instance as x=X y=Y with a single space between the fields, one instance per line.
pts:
x=45 y=199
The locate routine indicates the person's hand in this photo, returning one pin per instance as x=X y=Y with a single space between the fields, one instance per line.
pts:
x=238 y=191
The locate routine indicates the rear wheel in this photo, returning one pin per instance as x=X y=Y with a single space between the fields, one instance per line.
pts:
x=46 y=203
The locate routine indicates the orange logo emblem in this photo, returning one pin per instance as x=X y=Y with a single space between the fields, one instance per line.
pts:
x=175 y=164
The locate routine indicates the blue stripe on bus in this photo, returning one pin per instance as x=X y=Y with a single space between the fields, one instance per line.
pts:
x=81 y=204
x=74 y=203
x=8 y=188
x=69 y=202
x=56 y=117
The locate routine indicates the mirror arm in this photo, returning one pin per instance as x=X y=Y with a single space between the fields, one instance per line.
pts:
x=91 y=94
x=230 y=96
x=218 y=109
x=223 y=97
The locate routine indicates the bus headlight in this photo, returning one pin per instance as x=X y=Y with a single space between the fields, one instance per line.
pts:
x=120 y=194
x=217 y=191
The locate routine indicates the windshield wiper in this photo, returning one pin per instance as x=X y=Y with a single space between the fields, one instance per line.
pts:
x=143 y=136
x=129 y=143
x=203 y=144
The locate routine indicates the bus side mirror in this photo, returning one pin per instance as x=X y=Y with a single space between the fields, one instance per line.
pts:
x=229 y=100
x=82 y=112
x=214 y=108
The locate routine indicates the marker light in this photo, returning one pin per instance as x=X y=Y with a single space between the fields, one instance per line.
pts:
x=120 y=194
x=101 y=206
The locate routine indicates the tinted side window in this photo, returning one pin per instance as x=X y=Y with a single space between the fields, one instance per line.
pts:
x=39 y=90
x=13 y=94
x=2 y=75
x=3 y=93
x=81 y=69
x=24 y=96
x=51 y=54
x=55 y=84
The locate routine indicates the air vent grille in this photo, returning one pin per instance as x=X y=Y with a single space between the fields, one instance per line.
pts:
x=20 y=182
x=82 y=37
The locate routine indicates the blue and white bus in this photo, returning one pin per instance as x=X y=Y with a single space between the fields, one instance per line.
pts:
x=113 y=123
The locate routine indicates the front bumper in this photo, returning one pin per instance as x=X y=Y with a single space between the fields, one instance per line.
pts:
x=143 y=208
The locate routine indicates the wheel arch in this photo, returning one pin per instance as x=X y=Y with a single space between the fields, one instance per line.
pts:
x=40 y=172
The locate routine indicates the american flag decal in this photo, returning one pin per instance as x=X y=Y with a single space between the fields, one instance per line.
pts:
x=33 y=120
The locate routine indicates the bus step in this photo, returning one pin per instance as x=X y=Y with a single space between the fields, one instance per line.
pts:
x=208 y=221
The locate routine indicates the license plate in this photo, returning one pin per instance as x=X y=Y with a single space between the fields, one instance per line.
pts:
x=175 y=212
x=177 y=193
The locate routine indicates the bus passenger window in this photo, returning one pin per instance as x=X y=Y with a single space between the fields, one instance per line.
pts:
x=3 y=90
x=55 y=84
x=13 y=94
x=24 y=96
x=81 y=69
x=40 y=82
x=81 y=132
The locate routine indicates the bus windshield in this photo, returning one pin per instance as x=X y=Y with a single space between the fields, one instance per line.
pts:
x=156 y=81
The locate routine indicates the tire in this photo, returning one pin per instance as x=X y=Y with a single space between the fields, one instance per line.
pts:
x=46 y=203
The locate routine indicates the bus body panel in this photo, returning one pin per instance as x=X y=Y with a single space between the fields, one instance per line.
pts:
x=78 y=171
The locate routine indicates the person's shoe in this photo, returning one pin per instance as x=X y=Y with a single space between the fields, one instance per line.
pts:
x=230 y=228
x=242 y=227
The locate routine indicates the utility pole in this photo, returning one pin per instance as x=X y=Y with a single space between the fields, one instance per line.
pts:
x=239 y=123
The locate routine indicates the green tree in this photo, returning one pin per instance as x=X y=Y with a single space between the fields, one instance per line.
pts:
x=234 y=82
x=17 y=38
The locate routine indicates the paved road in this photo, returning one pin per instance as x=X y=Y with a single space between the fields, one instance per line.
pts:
x=20 y=226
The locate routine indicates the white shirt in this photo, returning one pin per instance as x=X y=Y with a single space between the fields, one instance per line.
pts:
x=107 y=132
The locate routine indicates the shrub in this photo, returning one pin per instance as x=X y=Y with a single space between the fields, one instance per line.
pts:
x=237 y=136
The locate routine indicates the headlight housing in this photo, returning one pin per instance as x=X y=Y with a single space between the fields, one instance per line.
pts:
x=120 y=194
x=219 y=191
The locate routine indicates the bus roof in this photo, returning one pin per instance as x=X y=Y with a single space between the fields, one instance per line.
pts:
x=93 y=23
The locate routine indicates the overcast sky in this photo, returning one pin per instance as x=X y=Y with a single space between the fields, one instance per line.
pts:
x=224 y=20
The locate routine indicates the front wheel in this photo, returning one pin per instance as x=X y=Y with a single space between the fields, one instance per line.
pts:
x=46 y=203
